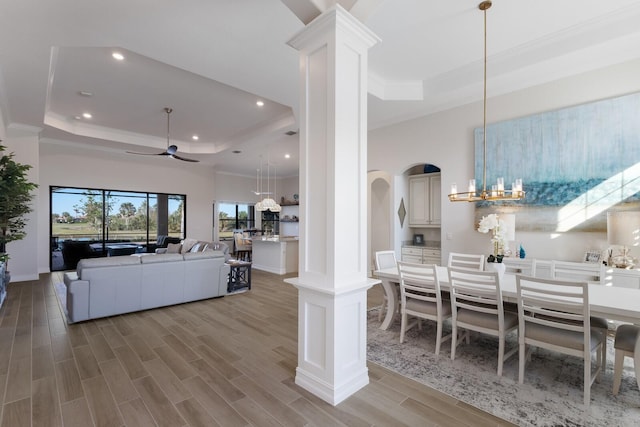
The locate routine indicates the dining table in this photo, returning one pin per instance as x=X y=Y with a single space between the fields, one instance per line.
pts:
x=610 y=302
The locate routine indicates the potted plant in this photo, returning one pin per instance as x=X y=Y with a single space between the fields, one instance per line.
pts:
x=15 y=199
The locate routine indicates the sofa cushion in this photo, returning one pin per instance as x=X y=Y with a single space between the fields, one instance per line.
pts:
x=174 y=248
x=187 y=244
x=161 y=258
x=106 y=262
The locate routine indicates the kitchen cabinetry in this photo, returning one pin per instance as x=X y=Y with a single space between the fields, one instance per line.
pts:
x=421 y=255
x=424 y=200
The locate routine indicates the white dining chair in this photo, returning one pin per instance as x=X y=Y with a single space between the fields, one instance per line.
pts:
x=384 y=260
x=554 y=314
x=578 y=271
x=476 y=301
x=525 y=266
x=466 y=261
x=625 y=346
x=587 y=272
x=420 y=298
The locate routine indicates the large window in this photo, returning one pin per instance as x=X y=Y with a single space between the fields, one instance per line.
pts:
x=89 y=222
x=233 y=216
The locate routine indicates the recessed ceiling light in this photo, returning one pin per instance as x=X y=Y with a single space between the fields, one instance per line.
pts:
x=77 y=117
x=87 y=115
x=195 y=137
x=287 y=156
x=260 y=103
x=118 y=56
x=85 y=93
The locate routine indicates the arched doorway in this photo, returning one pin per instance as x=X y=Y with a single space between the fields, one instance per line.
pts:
x=380 y=214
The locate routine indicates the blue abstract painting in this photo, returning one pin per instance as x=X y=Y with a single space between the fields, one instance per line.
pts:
x=576 y=163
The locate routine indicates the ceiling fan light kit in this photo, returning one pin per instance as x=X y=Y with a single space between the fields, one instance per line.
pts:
x=497 y=192
x=171 y=149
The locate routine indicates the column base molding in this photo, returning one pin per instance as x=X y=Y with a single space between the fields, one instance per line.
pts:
x=332 y=393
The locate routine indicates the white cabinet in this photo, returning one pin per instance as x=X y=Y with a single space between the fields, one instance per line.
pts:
x=424 y=200
x=420 y=255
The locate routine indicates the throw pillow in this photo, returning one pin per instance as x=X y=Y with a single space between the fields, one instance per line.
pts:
x=174 y=248
x=187 y=244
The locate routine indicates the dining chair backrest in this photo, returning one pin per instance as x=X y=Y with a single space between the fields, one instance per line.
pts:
x=385 y=259
x=240 y=241
x=578 y=271
x=523 y=266
x=477 y=291
x=420 y=297
x=476 y=304
x=554 y=314
x=466 y=261
x=420 y=282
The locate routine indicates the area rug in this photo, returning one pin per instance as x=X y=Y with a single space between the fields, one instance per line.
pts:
x=550 y=396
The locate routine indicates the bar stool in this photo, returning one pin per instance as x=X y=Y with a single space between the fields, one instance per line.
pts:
x=625 y=344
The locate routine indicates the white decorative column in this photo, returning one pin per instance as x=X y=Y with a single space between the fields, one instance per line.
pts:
x=332 y=282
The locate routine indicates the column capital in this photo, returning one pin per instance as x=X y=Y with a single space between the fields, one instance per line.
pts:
x=333 y=20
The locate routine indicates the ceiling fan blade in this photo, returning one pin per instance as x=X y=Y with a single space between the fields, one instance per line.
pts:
x=148 y=154
x=184 y=159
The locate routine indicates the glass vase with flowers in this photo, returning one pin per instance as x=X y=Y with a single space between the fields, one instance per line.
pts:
x=492 y=223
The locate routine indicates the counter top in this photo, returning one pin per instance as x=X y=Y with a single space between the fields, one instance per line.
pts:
x=427 y=244
x=277 y=239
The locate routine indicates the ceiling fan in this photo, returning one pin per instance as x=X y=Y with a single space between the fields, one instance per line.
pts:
x=171 y=149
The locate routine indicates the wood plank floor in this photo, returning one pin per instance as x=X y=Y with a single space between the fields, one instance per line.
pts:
x=222 y=362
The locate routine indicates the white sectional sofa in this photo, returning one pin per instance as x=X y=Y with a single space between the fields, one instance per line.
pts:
x=103 y=287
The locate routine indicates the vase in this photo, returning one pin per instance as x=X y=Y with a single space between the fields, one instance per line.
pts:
x=497 y=266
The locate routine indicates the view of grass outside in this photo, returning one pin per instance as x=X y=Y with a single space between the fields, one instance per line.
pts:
x=94 y=215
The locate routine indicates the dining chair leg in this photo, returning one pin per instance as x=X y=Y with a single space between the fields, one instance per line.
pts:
x=604 y=355
x=587 y=381
x=438 y=337
x=454 y=339
x=617 y=371
x=403 y=327
x=599 y=361
x=500 y=355
x=522 y=358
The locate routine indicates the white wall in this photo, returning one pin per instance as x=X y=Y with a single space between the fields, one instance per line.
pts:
x=23 y=142
x=446 y=139
x=238 y=188
x=66 y=165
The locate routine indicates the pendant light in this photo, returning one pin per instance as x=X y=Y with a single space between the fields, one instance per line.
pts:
x=268 y=204
x=497 y=191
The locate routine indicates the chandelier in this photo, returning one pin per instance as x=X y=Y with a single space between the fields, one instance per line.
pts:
x=268 y=204
x=497 y=191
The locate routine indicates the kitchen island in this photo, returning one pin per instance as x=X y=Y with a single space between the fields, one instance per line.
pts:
x=277 y=254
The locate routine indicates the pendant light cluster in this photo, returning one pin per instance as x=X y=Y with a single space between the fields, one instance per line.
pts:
x=267 y=204
x=497 y=191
